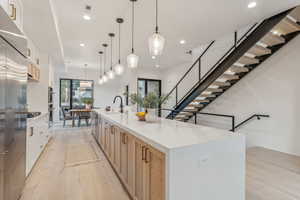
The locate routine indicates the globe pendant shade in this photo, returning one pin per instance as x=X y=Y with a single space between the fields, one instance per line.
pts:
x=119 y=69
x=111 y=74
x=104 y=78
x=156 y=44
x=132 y=61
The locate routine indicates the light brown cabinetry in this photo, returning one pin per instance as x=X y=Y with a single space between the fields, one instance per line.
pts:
x=140 y=167
x=33 y=73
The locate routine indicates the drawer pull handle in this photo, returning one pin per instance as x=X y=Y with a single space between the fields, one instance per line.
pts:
x=31 y=132
x=148 y=156
x=13 y=15
x=143 y=153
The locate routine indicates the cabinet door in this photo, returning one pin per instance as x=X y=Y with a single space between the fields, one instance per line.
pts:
x=112 y=144
x=154 y=175
x=139 y=169
x=106 y=138
x=131 y=162
x=117 y=150
x=102 y=133
x=124 y=158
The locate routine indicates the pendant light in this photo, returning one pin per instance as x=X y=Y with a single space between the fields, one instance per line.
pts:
x=119 y=68
x=156 y=41
x=104 y=77
x=132 y=59
x=111 y=73
x=101 y=63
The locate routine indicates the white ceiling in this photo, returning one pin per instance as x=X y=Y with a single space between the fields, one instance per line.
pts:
x=196 y=21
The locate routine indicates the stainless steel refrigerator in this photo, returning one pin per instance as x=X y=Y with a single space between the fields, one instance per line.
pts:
x=13 y=108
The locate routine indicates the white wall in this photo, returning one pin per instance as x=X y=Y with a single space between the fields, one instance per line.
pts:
x=273 y=88
x=37 y=92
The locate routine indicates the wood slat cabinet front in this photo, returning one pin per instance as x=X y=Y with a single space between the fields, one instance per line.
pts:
x=140 y=167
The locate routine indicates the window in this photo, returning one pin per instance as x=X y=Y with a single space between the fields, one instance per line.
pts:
x=74 y=93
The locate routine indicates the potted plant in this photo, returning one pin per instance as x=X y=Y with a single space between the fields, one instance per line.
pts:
x=88 y=103
x=150 y=103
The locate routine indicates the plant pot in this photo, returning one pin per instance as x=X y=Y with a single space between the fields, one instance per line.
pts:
x=152 y=115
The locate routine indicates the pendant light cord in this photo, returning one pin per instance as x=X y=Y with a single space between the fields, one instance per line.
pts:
x=156 y=28
x=119 y=43
x=105 y=54
x=100 y=65
x=132 y=36
x=111 y=52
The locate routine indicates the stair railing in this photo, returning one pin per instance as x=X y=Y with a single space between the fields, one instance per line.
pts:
x=232 y=117
x=198 y=64
x=257 y=116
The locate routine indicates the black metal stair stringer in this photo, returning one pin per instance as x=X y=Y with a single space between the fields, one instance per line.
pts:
x=232 y=58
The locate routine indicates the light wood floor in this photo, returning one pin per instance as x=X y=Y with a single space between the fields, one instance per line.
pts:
x=272 y=175
x=72 y=168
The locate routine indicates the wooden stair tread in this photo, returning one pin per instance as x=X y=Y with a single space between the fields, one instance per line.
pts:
x=247 y=60
x=271 y=39
x=258 y=50
x=207 y=95
x=229 y=77
x=213 y=90
x=237 y=69
x=201 y=101
x=196 y=105
x=295 y=14
x=220 y=84
x=286 y=26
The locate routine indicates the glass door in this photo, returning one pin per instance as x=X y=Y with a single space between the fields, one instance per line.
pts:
x=146 y=86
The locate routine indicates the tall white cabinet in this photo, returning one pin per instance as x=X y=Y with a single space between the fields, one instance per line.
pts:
x=38 y=136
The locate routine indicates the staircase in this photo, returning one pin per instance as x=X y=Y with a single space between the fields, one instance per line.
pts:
x=259 y=43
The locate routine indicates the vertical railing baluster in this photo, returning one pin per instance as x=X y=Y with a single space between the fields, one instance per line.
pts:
x=199 y=70
x=176 y=96
x=235 y=39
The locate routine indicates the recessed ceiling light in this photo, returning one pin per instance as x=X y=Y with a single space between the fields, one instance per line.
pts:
x=157 y=66
x=252 y=4
x=82 y=45
x=182 y=41
x=153 y=57
x=87 y=17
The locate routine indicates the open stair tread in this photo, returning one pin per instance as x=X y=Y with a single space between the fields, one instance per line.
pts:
x=201 y=101
x=206 y=95
x=286 y=26
x=271 y=39
x=258 y=50
x=229 y=77
x=245 y=60
x=220 y=84
x=212 y=90
x=237 y=69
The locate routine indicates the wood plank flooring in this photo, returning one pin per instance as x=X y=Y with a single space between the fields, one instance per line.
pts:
x=272 y=175
x=73 y=168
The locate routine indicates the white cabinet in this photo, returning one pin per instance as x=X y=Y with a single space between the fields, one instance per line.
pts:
x=38 y=136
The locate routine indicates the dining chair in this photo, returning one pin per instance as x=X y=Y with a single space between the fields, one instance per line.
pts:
x=66 y=116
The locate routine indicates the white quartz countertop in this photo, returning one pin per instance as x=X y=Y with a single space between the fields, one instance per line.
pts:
x=166 y=134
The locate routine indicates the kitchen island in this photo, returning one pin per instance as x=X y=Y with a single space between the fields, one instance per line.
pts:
x=171 y=160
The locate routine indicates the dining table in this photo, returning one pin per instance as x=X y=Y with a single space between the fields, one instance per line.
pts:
x=76 y=113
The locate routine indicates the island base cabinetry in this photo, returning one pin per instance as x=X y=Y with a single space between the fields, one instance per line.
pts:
x=140 y=167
